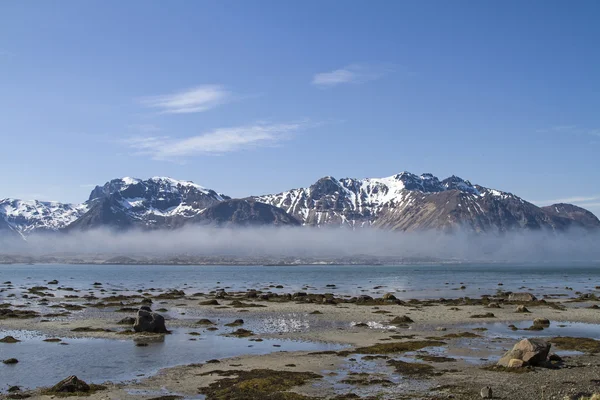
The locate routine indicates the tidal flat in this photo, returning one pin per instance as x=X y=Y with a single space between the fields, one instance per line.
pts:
x=312 y=332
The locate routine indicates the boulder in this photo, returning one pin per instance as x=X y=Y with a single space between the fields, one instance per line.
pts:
x=147 y=321
x=530 y=351
x=522 y=309
x=389 y=296
x=493 y=305
x=543 y=322
x=72 y=384
x=521 y=297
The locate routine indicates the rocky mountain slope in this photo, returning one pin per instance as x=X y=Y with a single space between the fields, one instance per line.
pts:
x=405 y=202
x=409 y=202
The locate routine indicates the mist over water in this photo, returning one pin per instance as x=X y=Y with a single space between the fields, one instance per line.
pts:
x=318 y=243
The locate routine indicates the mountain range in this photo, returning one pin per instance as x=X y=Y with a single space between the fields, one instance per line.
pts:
x=405 y=202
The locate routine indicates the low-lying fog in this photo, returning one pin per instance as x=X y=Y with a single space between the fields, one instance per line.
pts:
x=317 y=242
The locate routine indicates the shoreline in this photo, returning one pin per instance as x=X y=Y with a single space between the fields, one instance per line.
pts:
x=327 y=319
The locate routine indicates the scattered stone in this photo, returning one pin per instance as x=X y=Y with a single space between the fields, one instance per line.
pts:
x=9 y=339
x=205 y=321
x=493 y=305
x=486 y=393
x=522 y=309
x=526 y=297
x=54 y=282
x=543 y=322
x=211 y=302
x=401 y=320
x=486 y=315
x=237 y=322
x=440 y=329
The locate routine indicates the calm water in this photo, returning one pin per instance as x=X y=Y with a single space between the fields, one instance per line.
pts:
x=407 y=281
x=99 y=360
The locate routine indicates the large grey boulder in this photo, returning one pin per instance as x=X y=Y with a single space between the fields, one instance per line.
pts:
x=524 y=296
x=148 y=321
x=529 y=351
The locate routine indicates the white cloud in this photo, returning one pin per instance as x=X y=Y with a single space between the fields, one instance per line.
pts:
x=574 y=200
x=218 y=141
x=194 y=100
x=354 y=73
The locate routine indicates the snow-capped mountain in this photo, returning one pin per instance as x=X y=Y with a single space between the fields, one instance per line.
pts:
x=154 y=203
x=413 y=202
x=400 y=202
x=32 y=215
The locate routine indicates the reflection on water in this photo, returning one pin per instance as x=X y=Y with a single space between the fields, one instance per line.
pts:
x=98 y=360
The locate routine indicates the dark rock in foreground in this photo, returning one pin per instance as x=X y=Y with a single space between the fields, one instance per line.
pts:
x=148 y=321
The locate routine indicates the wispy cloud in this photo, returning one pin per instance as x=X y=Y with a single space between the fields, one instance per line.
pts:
x=193 y=100
x=355 y=73
x=571 y=130
x=574 y=199
x=215 y=142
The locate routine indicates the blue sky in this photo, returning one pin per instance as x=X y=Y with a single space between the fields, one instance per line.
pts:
x=259 y=97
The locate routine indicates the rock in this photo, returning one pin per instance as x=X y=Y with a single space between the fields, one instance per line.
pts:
x=221 y=294
x=522 y=309
x=9 y=339
x=13 y=389
x=10 y=361
x=440 y=329
x=299 y=294
x=515 y=363
x=493 y=305
x=486 y=393
x=530 y=351
x=126 y=321
x=401 y=320
x=72 y=384
x=149 y=322
x=523 y=296
x=389 y=296
x=544 y=322
x=555 y=357
x=146 y=308
x=54 y=282
x=363 y=298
